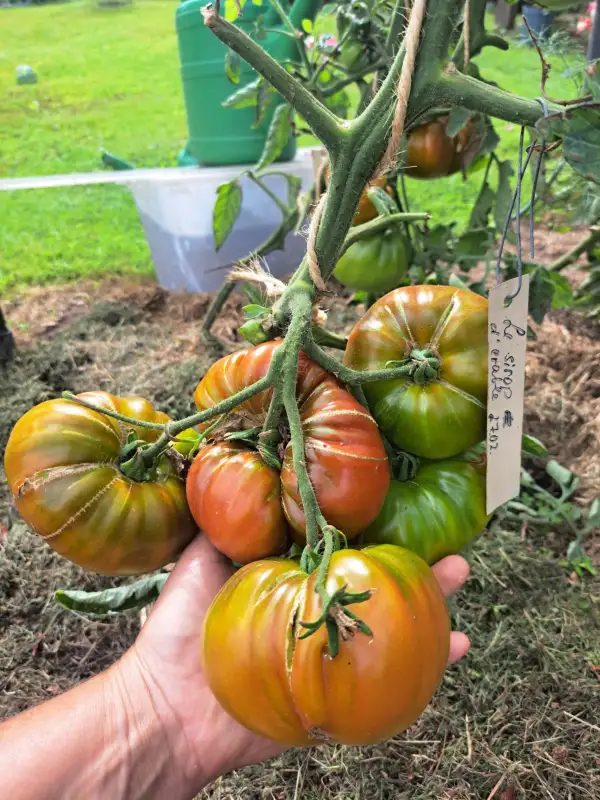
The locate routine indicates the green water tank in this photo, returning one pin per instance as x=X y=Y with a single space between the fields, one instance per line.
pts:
x=221 y=136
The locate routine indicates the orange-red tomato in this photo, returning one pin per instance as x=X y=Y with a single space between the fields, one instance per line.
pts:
x=346 y=459
x=236 y=499
x=431 y=153
x=62 y=466
x=366 y=211
x=289 y=689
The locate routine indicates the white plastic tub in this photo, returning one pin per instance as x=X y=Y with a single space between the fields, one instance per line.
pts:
x=176 y=213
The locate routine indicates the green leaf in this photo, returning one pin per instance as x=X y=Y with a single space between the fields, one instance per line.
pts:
x=541 y=293
x=472 y=247
x=232 y=67
x=133 y=596
x=481 y=210
x=253 y=332
x=294 y=186
x=579 y=129
x=383 y=203
x=307 y=25
x=503 y=194
x=244 y=97
x=226 y=211
x=563 y=292
x=278 y=135
x=457 y=119
x=252 y=311
x=533 y=447
x=264 y=98
x=561 y=475
x=457 y=282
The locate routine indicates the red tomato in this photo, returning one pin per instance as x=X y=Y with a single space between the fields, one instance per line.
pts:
x=347 y=462
x=431 y=153
x=236 y=499
x=289 y=689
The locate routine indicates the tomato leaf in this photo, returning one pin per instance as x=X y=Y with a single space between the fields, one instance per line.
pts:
x=264 y=96
x=244 y=97
x=457 y=119
x=232 y=67
x=563 y=292
x=541 y=293
x=503 y=194
x=579 y=129
x=533 y=447
x=457 y=282
x=472 y=247
x=483 y=205
x=226 y=211
x=278 y=135
x=253 y=311
x=307 y=25
x=99 y=605
x=294 y=186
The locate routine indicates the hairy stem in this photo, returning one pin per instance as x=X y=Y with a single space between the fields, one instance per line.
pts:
x=579 y=249
x=381 y=223
x=325 y=125
x=139 y=423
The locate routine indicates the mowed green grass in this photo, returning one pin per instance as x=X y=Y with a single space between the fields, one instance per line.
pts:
x=109 y=78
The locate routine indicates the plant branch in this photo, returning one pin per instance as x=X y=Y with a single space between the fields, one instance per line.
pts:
x=381 y=223
x=293 y=32
x=454 y=88
x=478 y=36
x=270 y=194
x=572 y=255
x=323 y=123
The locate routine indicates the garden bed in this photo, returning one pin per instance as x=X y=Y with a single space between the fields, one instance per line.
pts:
x=514 y=719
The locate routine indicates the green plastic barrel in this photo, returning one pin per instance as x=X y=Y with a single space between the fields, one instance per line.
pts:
x=217 y=135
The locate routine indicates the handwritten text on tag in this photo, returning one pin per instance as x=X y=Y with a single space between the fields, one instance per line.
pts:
x=507 y=346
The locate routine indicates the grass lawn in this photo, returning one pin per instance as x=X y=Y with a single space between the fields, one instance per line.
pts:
x=109 y=78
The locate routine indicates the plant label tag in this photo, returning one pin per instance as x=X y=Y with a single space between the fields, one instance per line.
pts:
x=507 y=348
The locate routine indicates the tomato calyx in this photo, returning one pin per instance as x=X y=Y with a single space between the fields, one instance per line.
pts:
x=422 y=365
x=137 y=468
x=340 y=621
x=404 y=466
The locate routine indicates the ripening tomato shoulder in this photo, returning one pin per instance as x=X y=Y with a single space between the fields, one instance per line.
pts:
x=435 y=513
x=345 y=455
x=445 y=413
x=289 y=689
x=62 y=466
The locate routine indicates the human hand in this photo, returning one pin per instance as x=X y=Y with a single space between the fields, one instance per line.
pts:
x=164 y=668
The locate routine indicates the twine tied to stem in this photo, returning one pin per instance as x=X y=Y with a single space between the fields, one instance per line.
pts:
x=388 y=160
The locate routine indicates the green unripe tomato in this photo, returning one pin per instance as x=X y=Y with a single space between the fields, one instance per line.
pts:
x=378 y=263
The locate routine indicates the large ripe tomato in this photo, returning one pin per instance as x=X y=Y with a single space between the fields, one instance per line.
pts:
x=445 y=414
x=434 y=514
x=346 y=459
x=376 y=264
x=366 y=211
x=236 y=499
x=289 y=689
x=62 y=466
x=431 y=153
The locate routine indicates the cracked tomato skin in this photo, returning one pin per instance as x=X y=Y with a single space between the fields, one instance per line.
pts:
x=431 y=153
x=436 y=513
x=447 y=415
x=62 y=466
x=236 y=499
x=346 y=459
x=289 y=689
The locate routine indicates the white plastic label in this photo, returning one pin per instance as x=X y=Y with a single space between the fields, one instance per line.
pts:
x=507 y=348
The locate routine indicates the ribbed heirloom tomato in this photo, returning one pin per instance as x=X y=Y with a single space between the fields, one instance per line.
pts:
x=431 y=153
x=289 y=689
x=378 y=263
x=234 y=496
x=435 y=513
x=439 y=334
x=62 y=466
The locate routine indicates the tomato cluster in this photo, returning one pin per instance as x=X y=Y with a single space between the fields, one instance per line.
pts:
x=80 y=479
